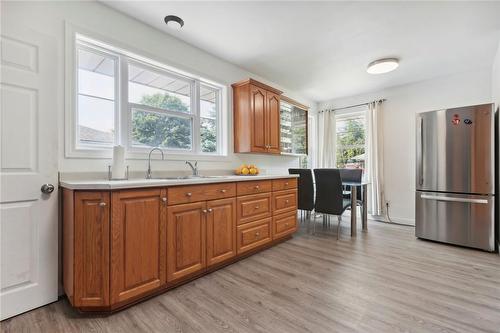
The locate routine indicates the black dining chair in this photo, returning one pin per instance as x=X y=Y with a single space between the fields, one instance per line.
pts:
x=329 y=198
x=352 y=175
x=305 y=191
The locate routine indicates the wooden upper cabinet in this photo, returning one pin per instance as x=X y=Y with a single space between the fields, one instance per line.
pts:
x=273 y=119
x=91 y=249
x=186 y=243
x=256 y=110
x=138 y=242
x=258 y=107
x=221 y=230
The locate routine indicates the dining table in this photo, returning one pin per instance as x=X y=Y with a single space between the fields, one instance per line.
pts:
x=355 y=186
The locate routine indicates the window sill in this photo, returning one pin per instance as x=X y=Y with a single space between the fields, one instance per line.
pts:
x=108 y=154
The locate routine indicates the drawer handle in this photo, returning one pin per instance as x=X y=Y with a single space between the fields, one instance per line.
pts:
x=257 y=234
x=188 y=194
x=223 y=190
x=102 y=204
x=256 y=207
x=257 y=187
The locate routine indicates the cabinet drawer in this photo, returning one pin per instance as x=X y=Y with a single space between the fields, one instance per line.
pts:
x=193 y=193
x=284 y=224
x=284 y=201
x=254 y=187
x=254 y=234
x=253 y=207
x=284 y=184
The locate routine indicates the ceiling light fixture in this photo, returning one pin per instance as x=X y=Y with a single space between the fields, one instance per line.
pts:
x=382 y=66
x=174 y=22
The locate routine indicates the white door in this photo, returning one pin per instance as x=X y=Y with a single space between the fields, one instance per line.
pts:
x=28 y=138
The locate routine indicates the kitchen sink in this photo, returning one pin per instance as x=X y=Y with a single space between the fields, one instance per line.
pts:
x=185 y=177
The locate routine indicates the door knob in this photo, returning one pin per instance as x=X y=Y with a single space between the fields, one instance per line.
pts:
x=47 y=188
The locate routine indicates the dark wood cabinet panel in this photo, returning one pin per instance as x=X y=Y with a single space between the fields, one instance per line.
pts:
x=186 y=241
x=138 y=245
x=221 y=230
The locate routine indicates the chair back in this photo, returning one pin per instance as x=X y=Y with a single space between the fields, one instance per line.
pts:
x=329 y=198
x=352 y=175
x=305 y=188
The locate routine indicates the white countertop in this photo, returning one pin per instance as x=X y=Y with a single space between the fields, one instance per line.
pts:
x=137 y=183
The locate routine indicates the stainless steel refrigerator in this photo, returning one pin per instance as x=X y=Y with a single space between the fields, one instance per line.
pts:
x=455 y=176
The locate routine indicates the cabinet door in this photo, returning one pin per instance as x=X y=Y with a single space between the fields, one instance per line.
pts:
x=138 y=245
x=221 y=230
x=186 y=245
x=91 y=256
x=273 y=122
x=259 y=121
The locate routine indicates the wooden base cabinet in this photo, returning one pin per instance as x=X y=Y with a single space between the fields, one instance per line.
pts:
x=138 y=242
x=221 y=230
x=120 y=246
x=186 y=244
x=86 y=248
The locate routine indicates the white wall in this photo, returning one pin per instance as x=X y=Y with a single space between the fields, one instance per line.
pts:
x=403 y=102
x=50 y=18
x=495 y=84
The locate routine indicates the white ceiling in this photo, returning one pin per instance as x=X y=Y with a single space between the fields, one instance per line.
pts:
x=321 y=49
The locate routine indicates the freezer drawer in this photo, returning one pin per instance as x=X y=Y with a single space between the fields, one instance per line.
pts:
x=466 y=220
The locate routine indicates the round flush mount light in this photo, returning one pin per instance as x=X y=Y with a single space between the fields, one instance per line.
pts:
x=382 y=66
x=174 y=22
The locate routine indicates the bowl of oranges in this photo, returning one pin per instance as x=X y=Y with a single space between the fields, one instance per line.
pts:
x=247 y=170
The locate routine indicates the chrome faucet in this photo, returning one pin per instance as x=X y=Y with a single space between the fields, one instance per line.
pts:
x=193 y=168
x=148 y=173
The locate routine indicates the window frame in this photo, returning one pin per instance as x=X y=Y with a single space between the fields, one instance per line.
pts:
x=123 y=108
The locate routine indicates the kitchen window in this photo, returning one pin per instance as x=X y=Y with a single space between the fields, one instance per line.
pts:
x=122 y=98
x=350 y=150
x=294 y=124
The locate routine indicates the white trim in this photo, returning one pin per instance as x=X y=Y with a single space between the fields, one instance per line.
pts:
x=123 y=107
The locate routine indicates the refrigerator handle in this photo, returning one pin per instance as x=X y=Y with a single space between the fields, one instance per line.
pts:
x=453 y=199
x=421 y=152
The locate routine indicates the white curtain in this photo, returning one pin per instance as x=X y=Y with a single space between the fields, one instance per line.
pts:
x=374 y=157
x=326 y=139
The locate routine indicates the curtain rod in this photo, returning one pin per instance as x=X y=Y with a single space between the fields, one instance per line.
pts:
x=353 y=106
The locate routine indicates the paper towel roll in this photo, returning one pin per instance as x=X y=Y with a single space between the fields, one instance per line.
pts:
x=118 y=166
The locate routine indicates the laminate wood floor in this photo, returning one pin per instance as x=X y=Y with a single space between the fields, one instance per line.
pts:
x=384 y=280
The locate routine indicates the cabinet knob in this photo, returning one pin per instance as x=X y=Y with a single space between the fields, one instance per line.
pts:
x=257 y=187
x=102 y=204
x=164 y=199
x=286 y=224
x=286 y=184
x=188 y=194
x=257 y=234
x=287 y=201
x=204 y=211
x=223 y=190
x=256 y=207
x=210 y=210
